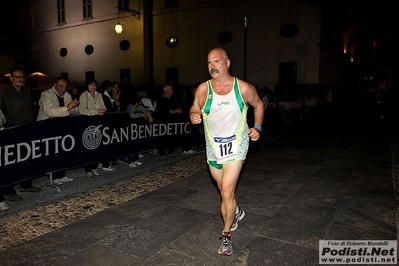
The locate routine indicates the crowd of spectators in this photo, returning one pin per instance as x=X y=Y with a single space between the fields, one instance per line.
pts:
x=17 y=108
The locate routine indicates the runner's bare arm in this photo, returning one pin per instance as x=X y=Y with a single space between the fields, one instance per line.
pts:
x=199 y=100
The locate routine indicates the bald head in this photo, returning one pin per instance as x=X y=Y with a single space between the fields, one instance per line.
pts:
x=223 y=51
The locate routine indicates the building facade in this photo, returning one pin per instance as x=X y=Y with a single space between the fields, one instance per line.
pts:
x=348 y=44
x=169 y=40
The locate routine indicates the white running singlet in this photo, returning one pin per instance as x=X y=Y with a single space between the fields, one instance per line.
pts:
x=225 y=125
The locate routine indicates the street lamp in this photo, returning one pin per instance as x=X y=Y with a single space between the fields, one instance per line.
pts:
x=245 y=22
x=134 y=13
x=118 y=26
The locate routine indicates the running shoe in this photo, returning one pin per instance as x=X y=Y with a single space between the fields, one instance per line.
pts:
x=237 y=218
x=227 y=244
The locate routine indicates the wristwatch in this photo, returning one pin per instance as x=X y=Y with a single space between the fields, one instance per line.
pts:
x=260 y=128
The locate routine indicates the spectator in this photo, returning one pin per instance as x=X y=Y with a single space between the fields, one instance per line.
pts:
x=116 y=96
x=91 y=103
x=57 y=102
x=118 y=104
x=137 y=112
x=16 y=104
x=146 y=101
x=106 y=91
x=168 y=110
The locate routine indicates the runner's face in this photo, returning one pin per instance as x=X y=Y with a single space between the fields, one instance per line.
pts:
x=218 y=64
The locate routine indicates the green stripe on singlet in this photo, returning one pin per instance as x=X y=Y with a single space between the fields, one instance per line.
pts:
x=208 y=102
x=240 y=101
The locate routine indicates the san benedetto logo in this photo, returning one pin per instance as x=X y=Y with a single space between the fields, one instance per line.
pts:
x=92 y=137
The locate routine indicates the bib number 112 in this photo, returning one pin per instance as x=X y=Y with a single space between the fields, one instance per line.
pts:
x=225 y=148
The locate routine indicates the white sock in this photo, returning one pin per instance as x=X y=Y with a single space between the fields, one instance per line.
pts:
x=237 y=210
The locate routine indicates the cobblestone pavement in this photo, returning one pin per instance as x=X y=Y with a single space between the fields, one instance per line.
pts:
x=77 y=203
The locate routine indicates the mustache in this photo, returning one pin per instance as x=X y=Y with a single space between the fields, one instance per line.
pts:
x=214 y=70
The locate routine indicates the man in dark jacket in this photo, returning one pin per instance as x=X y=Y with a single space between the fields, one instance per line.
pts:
x=168 y=110
x=106 y=92
x=16 y=104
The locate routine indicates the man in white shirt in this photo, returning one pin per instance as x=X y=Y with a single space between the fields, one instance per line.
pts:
x=57 y=102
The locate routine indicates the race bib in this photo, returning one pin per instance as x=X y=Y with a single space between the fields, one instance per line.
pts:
x=225 y=148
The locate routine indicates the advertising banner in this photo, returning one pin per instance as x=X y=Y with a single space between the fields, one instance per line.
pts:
x=41 y=147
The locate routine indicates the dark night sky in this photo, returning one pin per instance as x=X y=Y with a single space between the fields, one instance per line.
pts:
x=9 y=25
x=7 y=8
